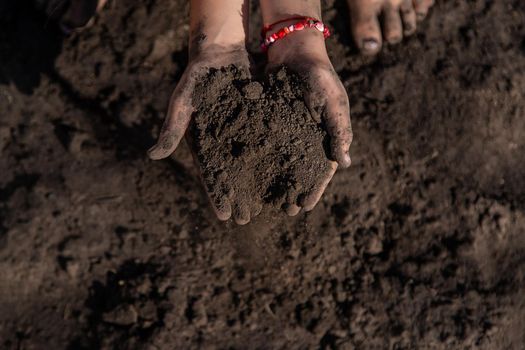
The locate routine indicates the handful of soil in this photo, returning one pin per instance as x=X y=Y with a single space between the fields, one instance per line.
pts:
x=256 y=142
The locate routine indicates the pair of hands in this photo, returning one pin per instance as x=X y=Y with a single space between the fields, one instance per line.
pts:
x=325 y=96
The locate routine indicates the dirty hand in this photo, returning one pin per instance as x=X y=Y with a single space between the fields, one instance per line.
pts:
x=217 y=39
x=325 y=96
x=181 y=107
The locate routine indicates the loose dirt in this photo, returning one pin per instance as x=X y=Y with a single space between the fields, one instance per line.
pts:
x=419 y=245
x=257 y=142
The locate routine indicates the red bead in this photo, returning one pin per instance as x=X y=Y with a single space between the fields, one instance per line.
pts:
x=281 y=34
x=299 y=26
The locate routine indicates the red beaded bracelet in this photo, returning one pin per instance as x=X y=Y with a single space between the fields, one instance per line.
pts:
x=304 y=22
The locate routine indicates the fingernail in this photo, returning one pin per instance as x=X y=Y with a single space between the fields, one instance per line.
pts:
x=370 y=44
x=420 y=16
x=347 y=161
x=152 y=153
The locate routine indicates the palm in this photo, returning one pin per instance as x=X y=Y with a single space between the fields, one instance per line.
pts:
x=327 y=101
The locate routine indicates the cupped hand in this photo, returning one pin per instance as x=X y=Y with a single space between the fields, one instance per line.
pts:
x=181 y=109
x=326 y=98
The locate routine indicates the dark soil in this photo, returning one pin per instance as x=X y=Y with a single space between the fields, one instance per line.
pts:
x=257 y=143
x=419 y=245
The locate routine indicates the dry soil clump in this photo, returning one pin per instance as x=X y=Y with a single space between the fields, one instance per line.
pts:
x=257 y=141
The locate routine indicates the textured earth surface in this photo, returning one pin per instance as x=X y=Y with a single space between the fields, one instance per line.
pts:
x=419 y=245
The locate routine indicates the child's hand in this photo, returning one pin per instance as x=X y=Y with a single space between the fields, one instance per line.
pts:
x=326 y=98
x=181 y=106
x=216 y=40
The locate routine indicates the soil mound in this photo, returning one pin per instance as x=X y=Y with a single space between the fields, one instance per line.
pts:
x=257 y=141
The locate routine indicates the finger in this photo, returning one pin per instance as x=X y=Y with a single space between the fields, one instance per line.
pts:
x=337 y=121
x=393 y=27
x=310 y=200
x=293 y=191
x=422 y=7
x=408 y=15
x=222 y=208
x=256 y=209
x=291 y=209
x=365 y=25
x=241 y=213
x=175 y=125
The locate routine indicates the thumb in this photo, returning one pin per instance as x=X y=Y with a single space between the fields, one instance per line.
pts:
x=174 y=128
x=339 y=127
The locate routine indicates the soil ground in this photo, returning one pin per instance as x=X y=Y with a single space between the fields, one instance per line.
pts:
x=419 y=245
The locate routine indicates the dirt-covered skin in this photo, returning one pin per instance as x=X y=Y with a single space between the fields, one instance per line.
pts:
x=256 y=142
x=418 y=245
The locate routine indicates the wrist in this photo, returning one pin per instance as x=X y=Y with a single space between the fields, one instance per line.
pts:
x=214 y=39
x=217 y=26
x=306 y=44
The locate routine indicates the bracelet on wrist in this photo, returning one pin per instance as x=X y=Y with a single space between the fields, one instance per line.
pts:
x=302 y=23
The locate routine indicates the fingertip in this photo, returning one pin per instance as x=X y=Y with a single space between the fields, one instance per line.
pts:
x=241 y=214
x=310 y=201
x=309 y=208
x=242 y=221
x=340 y=153
x=257 y=209
x=222 y=209
x=344 y=160
x=291 y=209
x=155 y=154
x=223 y=215
x=165 y=146
x=159 y=154
x=224 y=218
x=307 y=201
